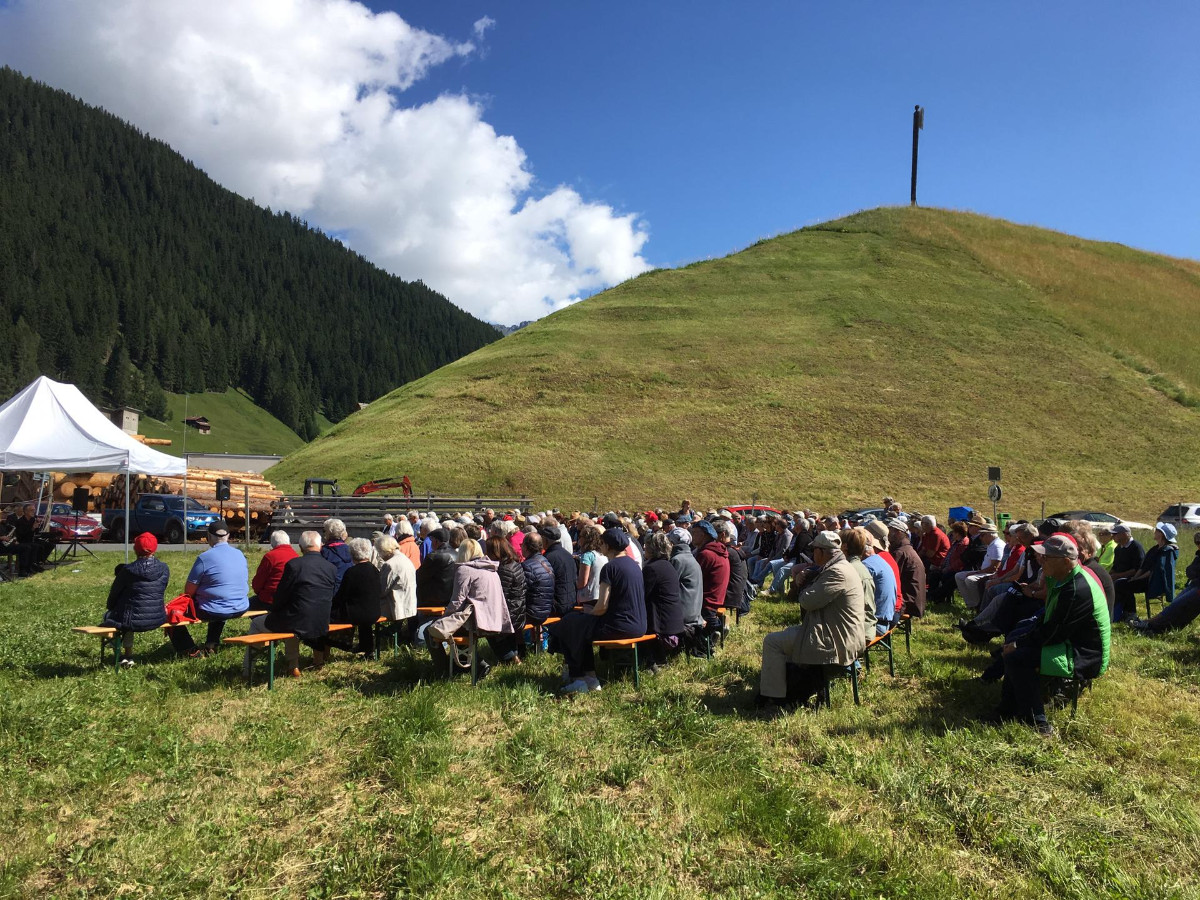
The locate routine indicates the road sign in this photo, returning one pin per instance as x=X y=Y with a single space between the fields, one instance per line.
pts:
x=993 y=473
x=994 y=493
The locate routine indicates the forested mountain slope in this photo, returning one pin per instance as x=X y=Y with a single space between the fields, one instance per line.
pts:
x=898 y=350
x=127 y=270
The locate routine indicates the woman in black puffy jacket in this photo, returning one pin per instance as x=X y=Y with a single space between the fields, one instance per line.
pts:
x=507 y=647
x=135 y=600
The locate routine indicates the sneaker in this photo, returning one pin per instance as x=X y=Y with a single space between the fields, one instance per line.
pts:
x=578 y=686
x=1142 y=625
x=195 y=653
x=127 y=663
x=1044 y=728
x=593 y=682
x=294 y=673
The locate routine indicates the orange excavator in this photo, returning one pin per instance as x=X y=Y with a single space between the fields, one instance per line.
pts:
x=384 y=484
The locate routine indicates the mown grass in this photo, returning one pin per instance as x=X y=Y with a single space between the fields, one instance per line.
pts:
x=239 y=425
x=368 y=780
x=898 y=351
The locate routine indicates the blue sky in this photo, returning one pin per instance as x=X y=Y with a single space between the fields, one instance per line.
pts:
x=518 y=157
x=721 y=123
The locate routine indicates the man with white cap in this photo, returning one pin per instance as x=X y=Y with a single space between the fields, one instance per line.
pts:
x=971 y=584
x=830 y=634
x=1070 y=640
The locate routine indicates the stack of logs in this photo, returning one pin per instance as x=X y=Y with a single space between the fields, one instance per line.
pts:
x=108 y=491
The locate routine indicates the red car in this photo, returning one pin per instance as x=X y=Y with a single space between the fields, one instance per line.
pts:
x=64 y=528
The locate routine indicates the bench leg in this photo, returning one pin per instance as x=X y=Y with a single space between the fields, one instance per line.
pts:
x=637 y=681
x=891 y=658
x=854 y=681
x=271 y=666
x=474 y=665
x=907 y=637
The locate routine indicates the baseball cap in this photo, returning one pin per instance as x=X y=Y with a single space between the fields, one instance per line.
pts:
x=828 y=540
x=218 y=528
x=898 y=525
x=1061 y=546
x=145 y=543
x=679 y=536
x=1121 y=528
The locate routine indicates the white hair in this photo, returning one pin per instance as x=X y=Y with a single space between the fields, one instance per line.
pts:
x=728 y=529
x=279 y=538
x=404 y=528
x=310 y=540
x=388 y=517
x=386 y=546
x=360 y=549
x=928 y=522
x=335 y=530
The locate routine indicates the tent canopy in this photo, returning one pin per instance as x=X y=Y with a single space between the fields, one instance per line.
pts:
x=52 y=427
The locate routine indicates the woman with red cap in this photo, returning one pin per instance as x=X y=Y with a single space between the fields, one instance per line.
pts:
x=135 y=600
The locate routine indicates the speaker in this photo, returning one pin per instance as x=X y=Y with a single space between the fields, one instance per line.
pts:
x=79 y=499
x=222 y=488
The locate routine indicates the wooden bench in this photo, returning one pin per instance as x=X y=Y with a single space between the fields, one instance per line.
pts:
x=618 y=644
x=269 y=639
x=878 y=643
x=108 y=633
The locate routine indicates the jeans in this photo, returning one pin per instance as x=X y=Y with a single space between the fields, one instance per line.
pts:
x=780 y=571
x=1179 y=613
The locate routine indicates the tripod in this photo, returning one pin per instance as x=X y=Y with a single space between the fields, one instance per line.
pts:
x=72 y=549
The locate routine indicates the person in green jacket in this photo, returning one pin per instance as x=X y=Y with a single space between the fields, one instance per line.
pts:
x=1070 y=640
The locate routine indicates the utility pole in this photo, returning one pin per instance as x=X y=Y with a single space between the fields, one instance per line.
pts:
x=918 y=124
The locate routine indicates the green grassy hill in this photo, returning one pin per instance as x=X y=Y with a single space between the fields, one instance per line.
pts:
x=897 y=350
x=238 y=426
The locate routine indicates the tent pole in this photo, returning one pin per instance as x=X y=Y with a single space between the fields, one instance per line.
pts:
x=126 y=516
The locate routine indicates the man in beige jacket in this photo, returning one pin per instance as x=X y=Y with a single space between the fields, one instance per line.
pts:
x=830 y=633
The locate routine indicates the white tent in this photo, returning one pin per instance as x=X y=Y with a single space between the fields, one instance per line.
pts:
x=52 y=427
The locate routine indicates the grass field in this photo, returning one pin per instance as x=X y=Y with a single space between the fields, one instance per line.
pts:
x=366 y=780
x=897 y=351
x=238 y=426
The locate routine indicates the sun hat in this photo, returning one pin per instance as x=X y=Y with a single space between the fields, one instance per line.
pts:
x=1167 y=529
x=878 y=529
x=986 y=527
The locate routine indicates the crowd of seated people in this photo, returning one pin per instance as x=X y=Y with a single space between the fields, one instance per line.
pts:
x=1048 y=593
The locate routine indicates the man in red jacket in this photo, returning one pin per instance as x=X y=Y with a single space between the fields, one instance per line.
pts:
x=934 y=544
x=270 y=570
x=713 y=557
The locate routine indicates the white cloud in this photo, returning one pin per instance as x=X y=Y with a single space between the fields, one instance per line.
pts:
x=294 y=103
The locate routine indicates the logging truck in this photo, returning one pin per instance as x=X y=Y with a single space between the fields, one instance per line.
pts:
x=162 y=515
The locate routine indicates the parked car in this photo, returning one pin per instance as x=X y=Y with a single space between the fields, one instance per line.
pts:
x=1098 y=518
x=858 y=516
x=747 y=509
x=1187 y=513
x=66 y=526
x=162 y=515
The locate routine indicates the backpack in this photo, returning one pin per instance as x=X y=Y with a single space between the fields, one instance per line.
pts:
x=182 y=611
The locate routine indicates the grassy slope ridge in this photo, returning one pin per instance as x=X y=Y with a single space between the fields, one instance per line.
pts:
x=897 y=350
x=238 y=426
x=365 y=780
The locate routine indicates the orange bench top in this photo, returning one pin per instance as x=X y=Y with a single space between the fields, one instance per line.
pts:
x=95 y=629
x=431 y=610
x=625 y=642
x=255 y=640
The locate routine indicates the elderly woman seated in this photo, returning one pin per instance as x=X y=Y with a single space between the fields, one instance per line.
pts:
x=476 y=603
x=135 y=600
x=830 y=594
x=357 y=599
x=397 y=582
